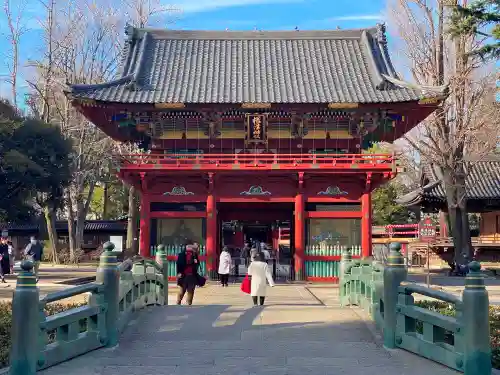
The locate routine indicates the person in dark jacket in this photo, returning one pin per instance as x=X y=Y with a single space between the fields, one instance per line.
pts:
x=187 y=273
x=4 y=259
x=34 y=252
x=245 y=253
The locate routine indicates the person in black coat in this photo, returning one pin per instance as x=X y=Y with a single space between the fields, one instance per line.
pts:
x=5 y=261
x=188 y=264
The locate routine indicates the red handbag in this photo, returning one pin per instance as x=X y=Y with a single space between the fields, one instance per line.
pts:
x=246 y=286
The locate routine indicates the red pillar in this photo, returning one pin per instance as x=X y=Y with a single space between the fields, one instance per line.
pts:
x=145 y=236
x=299 y=237
x=366 y=225
x=211 y=240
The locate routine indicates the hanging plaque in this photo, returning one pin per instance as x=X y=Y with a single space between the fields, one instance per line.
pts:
x=256 y=128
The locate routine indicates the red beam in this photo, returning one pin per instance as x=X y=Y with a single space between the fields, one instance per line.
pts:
x=331 y=200
x=333 y=215
x=259 y=162
x=259 y=199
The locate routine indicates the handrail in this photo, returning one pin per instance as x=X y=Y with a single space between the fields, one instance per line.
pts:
x=409 y=289
x=263 y=158
x=119 y=291
x=71 y=292
x=460 y=342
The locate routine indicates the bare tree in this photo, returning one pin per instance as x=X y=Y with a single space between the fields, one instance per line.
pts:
x=449 y=136
x=142 y=13
x=16 y=29
x=79 y=48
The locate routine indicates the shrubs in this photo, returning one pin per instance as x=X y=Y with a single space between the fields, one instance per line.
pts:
x=6 y=324
x=449 y=310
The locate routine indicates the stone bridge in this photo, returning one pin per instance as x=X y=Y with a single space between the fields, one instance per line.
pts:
x=128 y=326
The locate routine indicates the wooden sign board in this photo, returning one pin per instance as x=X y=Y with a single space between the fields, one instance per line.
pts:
x=426 y=230
x=256 y=128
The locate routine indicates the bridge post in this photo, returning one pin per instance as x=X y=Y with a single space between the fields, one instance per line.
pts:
x=162 y=260
x=475 y=317
x=345 y=259
x=25 y=323
x=394 y=273
x=109 y=276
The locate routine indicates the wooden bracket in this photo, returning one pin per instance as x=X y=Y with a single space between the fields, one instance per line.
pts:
x=214 y=122
x=300 y=123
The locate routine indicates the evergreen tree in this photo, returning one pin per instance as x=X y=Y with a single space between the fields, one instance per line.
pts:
x=481 y=17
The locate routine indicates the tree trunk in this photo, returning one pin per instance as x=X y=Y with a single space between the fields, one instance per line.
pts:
x=105 y=205
x=71 y=225
x=82 y=208
x=133 y=213
x=454 y=182
x=50 y=219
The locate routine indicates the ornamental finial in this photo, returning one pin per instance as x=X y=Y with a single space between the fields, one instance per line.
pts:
x=380 y=35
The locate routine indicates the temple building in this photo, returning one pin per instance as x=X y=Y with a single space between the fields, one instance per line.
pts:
x=258 y=135
x=482 y=187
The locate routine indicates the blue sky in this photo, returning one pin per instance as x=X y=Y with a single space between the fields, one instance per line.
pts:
x=222 y=14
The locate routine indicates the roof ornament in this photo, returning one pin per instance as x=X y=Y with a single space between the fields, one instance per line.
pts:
x=129 y=32
x=380 y=35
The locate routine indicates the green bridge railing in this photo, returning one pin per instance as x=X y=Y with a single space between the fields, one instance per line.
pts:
x=40 y=341
x=461 y=342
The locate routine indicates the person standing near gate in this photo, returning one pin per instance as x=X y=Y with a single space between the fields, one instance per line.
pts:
x=260 y=274
x=187 y=273
x=224 y=266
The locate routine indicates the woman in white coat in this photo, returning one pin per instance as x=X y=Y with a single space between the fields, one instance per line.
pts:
x=261 y=275
x=224 y=266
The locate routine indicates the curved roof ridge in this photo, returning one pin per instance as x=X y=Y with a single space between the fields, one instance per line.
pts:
x=378 y=79
x=440 y=90
x=250 y=34
x=91 y=86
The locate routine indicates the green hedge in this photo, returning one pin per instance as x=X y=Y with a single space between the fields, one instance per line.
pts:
x=6 y=324
x=449 y=310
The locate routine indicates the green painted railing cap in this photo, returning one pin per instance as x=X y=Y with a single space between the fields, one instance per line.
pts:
x=108 y=246
x=27 y=265
x=475 y=278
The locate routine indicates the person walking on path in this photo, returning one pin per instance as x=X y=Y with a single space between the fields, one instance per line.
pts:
x=254 y=254
x=11 y=256
x=224 y=266
x=245 y=253
x=4 y=259
x=187 y=273
x=260 y=275
x=34 y=252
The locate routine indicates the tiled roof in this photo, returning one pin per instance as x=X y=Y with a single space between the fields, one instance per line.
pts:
x=482 y=183
x=90 y=225
x=336 y=66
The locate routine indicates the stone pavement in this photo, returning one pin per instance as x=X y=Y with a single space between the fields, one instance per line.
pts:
x=295 y=333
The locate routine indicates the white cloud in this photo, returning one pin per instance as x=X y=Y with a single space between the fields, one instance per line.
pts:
x=189 y=6
x=360 y=17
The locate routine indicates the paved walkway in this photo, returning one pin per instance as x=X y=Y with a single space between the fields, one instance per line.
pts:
x=295 y=333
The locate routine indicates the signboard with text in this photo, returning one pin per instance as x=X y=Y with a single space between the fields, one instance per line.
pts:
x=256 y=128
x=426 y=230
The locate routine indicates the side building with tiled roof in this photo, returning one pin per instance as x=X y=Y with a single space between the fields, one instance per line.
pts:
x=482 y=192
